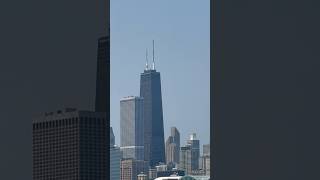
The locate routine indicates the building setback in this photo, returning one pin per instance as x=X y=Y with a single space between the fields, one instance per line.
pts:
x=131 y=128
x=150 y=90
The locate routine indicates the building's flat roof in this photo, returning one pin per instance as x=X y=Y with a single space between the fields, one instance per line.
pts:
x=130 y=98
x=66 y=114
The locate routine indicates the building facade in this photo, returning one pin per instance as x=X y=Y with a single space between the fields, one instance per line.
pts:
x=194 y=144
x=115 y=158
x=206 y=159
x=150 y=90
x=173 y=147
x=185 y=159
x=206 y=150
x=132 y=128
x=102 y=100
x=70 y=144
x=130 y=168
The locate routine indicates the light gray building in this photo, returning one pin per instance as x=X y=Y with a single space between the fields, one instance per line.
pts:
x=173 y=147
x=194 y=144
x=185 y=159
x=206 y=149
x=206 y=159
x=132 y=128
x=190 y=155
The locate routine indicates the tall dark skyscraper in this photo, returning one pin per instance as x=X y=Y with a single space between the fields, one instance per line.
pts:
x=103 y=77
x=150 y=90
x=70 y=144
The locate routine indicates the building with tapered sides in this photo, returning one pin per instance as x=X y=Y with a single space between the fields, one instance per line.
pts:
x=173 y=147
x=70 y=144
x=150 y=90
x=131 y=128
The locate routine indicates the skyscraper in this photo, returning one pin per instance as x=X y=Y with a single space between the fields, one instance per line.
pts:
x=206 y=159
x=173 y=147
x=150 y=90
x=102 y=77
x=185 y=159
x=70 y=144
x=112 y=138
x=190 y=155
x=195 y=151
x=206 y=149
x=131 y=127
x=115 y=158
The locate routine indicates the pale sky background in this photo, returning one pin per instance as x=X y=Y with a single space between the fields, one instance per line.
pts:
x=181 y=30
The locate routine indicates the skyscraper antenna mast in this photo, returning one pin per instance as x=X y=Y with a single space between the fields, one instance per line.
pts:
x=153 y=64
x=147 y=66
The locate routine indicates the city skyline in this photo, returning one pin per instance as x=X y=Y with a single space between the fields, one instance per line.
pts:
x=181 y=55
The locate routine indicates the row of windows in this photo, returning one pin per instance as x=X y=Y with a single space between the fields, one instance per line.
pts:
x=68 y=122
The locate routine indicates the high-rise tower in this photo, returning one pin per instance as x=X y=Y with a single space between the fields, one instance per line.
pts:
x=131 y=127
x=103 y=77
x=70 y=144
x=150 y=90
x=173 y=147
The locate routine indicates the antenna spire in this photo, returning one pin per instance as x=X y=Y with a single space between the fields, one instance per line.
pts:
x=147 y=66
x=153 y=64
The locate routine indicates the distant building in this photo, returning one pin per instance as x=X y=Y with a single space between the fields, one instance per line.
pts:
x=173 y=147
x=112 y=138
x=142 y=177
x=152 y=173
x=190 y=155
x=132 y=128
x=161 y=167
x=206 y=159
x=206 y=165
x=150 y=90
x=194 y=144
x=130 y=168
x=206 y=150
x=70 y=144
x=185 y=159
x=115 y=157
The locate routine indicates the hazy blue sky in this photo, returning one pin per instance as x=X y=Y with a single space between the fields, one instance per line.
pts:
x=181 y=30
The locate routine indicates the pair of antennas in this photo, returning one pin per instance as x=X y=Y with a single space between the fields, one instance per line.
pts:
x=153 y=64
